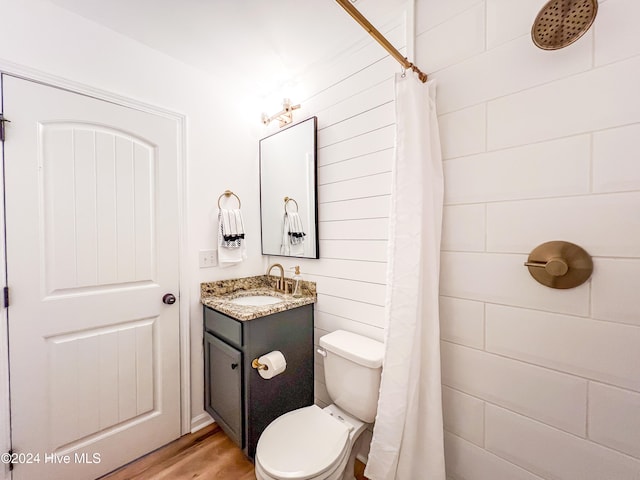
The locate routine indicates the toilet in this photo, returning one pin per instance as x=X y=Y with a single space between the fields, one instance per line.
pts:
x=314 y=443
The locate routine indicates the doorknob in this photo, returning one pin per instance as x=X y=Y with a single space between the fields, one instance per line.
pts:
x=169 y=298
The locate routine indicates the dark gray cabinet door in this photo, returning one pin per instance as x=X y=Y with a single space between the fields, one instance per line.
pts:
x=223 y=373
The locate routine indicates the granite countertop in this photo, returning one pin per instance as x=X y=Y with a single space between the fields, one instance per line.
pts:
x=217 y=295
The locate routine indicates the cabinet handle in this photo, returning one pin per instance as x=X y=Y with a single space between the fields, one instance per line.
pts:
x=234 y=366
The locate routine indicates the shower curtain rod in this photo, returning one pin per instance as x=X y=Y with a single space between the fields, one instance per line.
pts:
x=358 y=17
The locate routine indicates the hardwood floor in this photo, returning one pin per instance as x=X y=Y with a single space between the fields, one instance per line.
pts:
x=207 y=454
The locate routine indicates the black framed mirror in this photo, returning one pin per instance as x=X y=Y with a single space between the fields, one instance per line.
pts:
x=289 y=191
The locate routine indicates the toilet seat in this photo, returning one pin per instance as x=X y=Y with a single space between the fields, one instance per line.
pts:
x=303 y=444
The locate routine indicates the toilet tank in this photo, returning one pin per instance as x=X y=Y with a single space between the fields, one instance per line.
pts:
x=352 y=369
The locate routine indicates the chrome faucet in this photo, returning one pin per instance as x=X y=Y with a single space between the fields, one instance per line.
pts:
x=280 y=282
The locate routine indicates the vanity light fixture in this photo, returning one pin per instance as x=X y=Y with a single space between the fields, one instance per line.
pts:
x=285 y=116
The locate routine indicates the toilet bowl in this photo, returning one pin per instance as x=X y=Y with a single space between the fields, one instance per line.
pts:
x=309 y=444
x=312 y=443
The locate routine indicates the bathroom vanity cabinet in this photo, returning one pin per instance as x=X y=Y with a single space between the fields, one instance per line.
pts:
x=236 y=396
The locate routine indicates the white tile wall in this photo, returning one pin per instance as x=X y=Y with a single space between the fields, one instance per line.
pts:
x=462 y=321
x=581 y=103
x=463 y=228
x=463 y=132
x=460 y=38
x=429 y=14
x=520 y=226
x=615 y=287
x=507 y=19
x=551 y=453
x=554 y=398
x=539 y=384
x=589 y=348
x=539 y=146
x=463 y=415
x=465 y=461
x=500 y=278
x=616 y=37
x=616 y=159
x=507 y=69
x=544 y=169
x=614 y=418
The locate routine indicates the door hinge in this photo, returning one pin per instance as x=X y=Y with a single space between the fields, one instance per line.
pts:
x=6 y=296
x=2 y=128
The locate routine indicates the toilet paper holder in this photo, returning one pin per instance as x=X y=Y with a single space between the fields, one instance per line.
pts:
x=259 y=366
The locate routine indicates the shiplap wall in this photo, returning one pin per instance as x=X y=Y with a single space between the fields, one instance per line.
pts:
x=353 y=100
x=537 y=383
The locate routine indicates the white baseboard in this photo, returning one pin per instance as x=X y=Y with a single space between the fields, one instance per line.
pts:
x=201 y=421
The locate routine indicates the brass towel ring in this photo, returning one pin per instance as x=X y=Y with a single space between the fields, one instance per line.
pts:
x=228 y=193
x=287 y=200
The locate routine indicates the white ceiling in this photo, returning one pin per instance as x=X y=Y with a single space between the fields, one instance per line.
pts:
x=264 y=42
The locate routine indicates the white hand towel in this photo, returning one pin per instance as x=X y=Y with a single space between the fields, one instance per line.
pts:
x=285 y=246
x=288 y=247
x=297 y=250
x=239 y=222
x=231 y=227
x=230 y=252
x=296 y=231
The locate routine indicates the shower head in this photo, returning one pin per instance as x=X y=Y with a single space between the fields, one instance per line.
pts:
x=562 y=22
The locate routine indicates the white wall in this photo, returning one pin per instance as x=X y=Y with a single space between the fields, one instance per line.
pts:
x=220 y=137
x=538 y=146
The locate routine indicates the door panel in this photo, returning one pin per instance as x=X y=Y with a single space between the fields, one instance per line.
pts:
x=98 y=214
x=107 y=381
x=92 y=246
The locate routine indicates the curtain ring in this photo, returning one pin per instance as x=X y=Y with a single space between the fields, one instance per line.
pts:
x=404 y=72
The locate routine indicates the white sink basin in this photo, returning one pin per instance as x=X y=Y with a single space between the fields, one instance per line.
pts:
x=256 y=300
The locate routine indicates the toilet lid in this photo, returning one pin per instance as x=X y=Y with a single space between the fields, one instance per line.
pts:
x=302 y=444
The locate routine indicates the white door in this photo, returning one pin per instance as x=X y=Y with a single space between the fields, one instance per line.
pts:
x=92 y=248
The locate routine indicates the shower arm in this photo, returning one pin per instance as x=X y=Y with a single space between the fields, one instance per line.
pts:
x=364 y=23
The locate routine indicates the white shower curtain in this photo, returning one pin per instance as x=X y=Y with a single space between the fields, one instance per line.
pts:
x=408 y=437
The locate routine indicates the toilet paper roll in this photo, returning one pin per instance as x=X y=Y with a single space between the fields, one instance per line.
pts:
x=275 y=362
